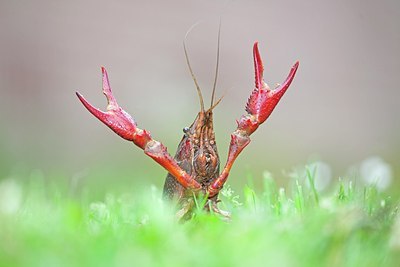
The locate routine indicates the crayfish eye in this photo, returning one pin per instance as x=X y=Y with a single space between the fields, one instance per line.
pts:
x=186 y=129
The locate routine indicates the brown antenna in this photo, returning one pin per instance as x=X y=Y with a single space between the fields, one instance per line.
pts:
x=216 y=69
x=190 y=68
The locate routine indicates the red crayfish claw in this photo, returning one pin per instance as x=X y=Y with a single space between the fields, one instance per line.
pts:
x=263 y=100
x=115 y=117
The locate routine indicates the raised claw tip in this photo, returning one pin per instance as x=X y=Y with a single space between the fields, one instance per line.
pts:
x=258 y=67
x=296 y=65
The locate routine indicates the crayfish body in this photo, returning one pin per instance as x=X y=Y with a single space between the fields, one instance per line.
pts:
x=196 y=154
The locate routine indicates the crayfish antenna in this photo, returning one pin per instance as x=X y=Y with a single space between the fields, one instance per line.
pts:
x=190 y=68
x=216 y=69
x=216 y=103
x=213 y=105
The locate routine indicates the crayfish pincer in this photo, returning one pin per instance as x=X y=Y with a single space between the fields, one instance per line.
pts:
x=195 y=168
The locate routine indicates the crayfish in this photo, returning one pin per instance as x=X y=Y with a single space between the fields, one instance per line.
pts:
x=195 y=169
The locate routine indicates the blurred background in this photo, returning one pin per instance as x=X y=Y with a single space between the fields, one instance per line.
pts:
x=341 y=109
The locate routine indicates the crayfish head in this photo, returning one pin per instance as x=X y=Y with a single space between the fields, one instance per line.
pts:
x=205 y=160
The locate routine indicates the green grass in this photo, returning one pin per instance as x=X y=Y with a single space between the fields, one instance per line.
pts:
x=294 y=226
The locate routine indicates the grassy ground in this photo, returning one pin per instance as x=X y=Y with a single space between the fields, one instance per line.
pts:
x=48 y=226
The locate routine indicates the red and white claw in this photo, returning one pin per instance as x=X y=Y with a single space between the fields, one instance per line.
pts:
x=260 y=105
x=262 y=100
x=125 y=126
x=115 y=117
